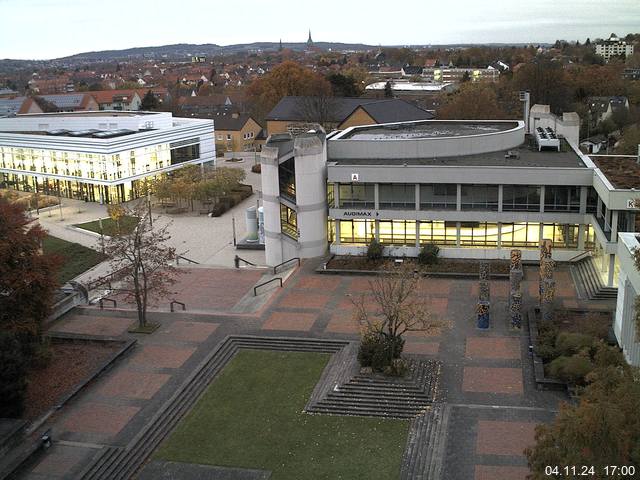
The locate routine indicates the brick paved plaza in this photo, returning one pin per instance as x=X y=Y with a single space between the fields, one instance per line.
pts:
x=486 y=375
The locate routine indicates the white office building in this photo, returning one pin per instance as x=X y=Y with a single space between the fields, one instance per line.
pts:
x=613 y=47
x=477 y=189
x=98 y=156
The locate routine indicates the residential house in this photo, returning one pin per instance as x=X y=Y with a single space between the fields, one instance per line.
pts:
x=594 y=144
x=602 y=108
x=10 y=106
x=295 y=113
x=70 y=102
x=235 y=132
x=123 y=100
x=411 y=70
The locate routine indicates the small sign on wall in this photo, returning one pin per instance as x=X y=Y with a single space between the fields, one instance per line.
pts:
x=355 y=177
x=633 y=204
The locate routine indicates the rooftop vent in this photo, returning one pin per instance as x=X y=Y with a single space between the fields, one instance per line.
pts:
x=547 y=138
x=512 y=154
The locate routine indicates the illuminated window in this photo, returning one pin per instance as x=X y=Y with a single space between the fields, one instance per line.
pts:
x=397 y=232
x=524 y=234
x=440 y=233
x=478 y=234
x=561 y=234
x=357 y=231
x=330 y=195
x=288 y=221
x=287 y=179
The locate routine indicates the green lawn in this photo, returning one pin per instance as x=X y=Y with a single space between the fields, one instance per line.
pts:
x=75 y=257
x=251 y=417
x=127 y=223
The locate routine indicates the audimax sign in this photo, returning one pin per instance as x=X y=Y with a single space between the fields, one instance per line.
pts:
x=360 y=214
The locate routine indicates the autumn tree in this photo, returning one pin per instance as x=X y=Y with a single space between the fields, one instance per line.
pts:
x=629 y=141
x=287 y=79
x=547 y=82
x=603 y=429
x=388 y=90
x=27 y=276
x=400 y=305
x=143 y=257
x=472 y=101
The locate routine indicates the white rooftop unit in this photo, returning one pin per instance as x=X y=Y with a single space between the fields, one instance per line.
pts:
x=546 y=137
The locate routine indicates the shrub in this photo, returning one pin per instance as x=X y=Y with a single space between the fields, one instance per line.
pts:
x=374 y=251
x=572 y=369
x=568 y=344
x=13 y=382
x=546 y=344
x=428 y=254
x=379 y=351
x=597 y=326
x=398 y=368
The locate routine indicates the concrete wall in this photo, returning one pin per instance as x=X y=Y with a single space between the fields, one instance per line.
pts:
x=358 y=117
x=628 y=288
x=84 y=121
x=274 y=253
x=567 y=126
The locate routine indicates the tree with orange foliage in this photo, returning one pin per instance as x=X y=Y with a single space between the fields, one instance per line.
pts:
x=472 y=101
x=287 y=78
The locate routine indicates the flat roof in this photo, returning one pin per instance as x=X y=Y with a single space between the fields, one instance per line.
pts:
x=429 y=129
x=622 y=171
x=88 y=133
x=92 y=113
x=526 y=155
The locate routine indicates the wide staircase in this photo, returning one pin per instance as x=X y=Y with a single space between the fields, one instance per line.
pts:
x=586 y=272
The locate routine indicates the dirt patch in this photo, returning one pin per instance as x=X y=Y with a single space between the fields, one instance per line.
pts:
x=443 y=266
x=70 y=364
x=593 y=323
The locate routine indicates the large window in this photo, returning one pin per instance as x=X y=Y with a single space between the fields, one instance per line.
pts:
x=438 y=196
x=561 y=199
x=561 y=234
x=185 y=154
x=397 y=232
x=357 y=231
x=288 y=221
x=357 y=195
x=524 y=234
x=397 y=195
x=592 y=200
x=518 y=198
x=478 y=234
x=287 y=179
x=330 y=195
x=480 y=197
x=440 y=233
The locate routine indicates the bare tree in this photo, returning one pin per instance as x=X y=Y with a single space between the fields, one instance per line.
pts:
x=400 y=305
x=319 y=109
x=143 y=258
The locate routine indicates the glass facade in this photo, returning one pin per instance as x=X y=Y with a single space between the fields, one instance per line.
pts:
x=397 y=195
x=440 y=233
x=523 y=234
x=439 y=196
x=478 y=234
x=357 y=231
x=287 y=179
x=397 y=232
x=520 y=198
x=479 y=197
x=288 y=221
x=357 y=195
x=561 y=199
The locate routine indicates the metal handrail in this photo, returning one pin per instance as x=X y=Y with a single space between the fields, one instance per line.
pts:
x=255 y=289
x=583 y=254
x=286 y=261
x=173 y=302
x=105 y=279
x=238 y=259
x=178 y=257
x=106 y=299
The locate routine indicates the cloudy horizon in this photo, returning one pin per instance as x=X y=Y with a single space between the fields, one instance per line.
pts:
x=45 y=29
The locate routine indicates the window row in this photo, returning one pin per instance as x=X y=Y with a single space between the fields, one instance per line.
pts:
x=466 y=234
x=472 y=197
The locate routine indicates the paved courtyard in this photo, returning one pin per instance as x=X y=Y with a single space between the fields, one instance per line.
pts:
x=486 y=375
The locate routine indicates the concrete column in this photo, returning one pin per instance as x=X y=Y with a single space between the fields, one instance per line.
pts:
x=377 y=229
x=607 y=221
x=612 y=267
x=499 y=245
x=542 y=192
x=418 y=233
x=457 y=224
x=581 y=235
x=599 y=207
x=337 y=239
x=376 y=199
x=614 y=225
x=583 y=199
x=459 y=198
x=500 y=197
x=417 y=197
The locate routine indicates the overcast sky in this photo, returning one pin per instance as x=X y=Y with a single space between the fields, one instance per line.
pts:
x=42 y=29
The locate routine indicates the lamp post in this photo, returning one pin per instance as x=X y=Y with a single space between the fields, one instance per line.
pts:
x=149 y=206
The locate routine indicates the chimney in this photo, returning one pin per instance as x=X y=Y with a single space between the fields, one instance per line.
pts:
x=525 y=97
